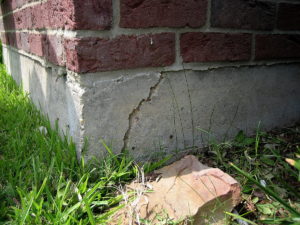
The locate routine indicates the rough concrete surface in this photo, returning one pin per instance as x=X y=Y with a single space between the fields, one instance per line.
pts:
x=165 y=112
x=55 y=93
x=150 y=112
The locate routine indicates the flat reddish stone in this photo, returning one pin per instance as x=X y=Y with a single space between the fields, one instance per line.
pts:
x=186 y=189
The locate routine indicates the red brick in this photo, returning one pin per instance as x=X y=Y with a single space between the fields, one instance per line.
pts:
x=18 y=20
x=53 y=49
x=124 y=52
x=70 y=14
x=8 y=22
x=55 y=15
x=167 y=13
x=39 y=16
x=36 y=44
x=243 y=14
x=22 y=19
x=10 y=5
x=288 y=16
x=278 y=46
x=208 y=47
x=90 y=15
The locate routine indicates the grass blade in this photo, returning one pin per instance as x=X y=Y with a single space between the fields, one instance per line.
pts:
x=89 y=212
x=266 y=190
x=240 y=218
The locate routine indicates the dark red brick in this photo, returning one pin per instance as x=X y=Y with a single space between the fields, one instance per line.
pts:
x=12 y=39
x=124 y=52
x=288 y=16
x=18 y=20
x=70 y=14
x=278 y=46
x=90 y=15
x=9 y=22
x=166 y=13
x=50 y=47
x=243 y=14
x=9 y=5
x=208 y=47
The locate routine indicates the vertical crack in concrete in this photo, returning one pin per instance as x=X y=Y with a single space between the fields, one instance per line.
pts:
x=134 y=112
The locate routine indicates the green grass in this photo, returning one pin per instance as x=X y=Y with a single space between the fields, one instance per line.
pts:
x=42 y=182
x=270 y=183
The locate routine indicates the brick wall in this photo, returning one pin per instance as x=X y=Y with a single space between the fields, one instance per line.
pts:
x=103 y=35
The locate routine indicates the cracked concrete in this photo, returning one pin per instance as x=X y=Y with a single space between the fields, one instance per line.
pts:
x=109 y=102
x=134 y=112
x=151 y=113
x=224 y=101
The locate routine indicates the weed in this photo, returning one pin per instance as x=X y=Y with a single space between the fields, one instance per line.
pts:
x=266 y=166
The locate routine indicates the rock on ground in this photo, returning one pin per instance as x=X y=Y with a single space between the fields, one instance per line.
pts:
x=186 y=191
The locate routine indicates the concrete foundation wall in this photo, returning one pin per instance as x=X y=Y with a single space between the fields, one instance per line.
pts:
x=52 y=91
x=147 y=76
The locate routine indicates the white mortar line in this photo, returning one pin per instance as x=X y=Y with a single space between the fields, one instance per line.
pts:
x=178 y=59
x=122 y=31
x=189 y=66
x=116 y=19
x=208 y=14
x=172 y=68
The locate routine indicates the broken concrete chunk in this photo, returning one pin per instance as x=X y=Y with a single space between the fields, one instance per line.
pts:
x=183 y=191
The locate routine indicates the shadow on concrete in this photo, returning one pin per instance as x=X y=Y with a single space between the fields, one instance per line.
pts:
x=46 y=85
